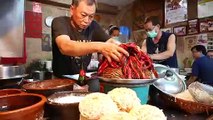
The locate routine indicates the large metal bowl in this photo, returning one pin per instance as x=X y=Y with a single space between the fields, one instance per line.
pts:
x=169 y=84
x=11 y=72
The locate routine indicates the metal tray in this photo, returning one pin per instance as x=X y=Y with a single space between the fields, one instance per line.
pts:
x=89 y=75
x=128 y=81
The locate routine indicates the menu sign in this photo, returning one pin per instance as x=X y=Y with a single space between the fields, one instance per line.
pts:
x=175 y=11
x=205 y=8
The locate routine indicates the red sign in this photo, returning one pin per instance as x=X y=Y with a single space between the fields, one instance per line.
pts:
x=33 y=24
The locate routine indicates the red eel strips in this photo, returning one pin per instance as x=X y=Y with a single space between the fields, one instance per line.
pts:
x=135 y=66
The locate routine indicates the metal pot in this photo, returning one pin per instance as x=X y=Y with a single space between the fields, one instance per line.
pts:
x=9 y=71
x=11 y=75
x=169 y=83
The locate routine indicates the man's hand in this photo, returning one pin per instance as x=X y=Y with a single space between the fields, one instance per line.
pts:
x=111 y=51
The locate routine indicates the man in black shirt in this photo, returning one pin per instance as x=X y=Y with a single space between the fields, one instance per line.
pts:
x=75 y=38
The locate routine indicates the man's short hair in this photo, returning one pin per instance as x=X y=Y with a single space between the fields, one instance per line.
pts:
x=199 y=48
x=154 y=19
x=89 y=2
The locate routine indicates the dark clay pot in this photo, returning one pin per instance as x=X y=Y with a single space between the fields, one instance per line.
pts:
x=66 y=111
x=49 y=87
x=6 y=92
x=22 y=107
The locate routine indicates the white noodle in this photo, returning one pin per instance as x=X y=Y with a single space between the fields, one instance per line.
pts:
x=68 y=99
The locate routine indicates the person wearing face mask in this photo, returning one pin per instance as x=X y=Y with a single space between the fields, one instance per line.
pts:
x=202 y=67
x=161 y=46
x=75 y=38
x=114 y=31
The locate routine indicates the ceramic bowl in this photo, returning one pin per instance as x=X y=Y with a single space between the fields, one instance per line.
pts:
x=6 y=92
x=22 y=107
x=48 y=87
x=64 y=105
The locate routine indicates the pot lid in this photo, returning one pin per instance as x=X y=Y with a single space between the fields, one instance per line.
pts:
x=170 y=82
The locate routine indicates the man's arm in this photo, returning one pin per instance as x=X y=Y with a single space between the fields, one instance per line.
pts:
x=195 y=72
x=144 y=48
x=74 y=48
x=171 y=46
x=191 y=80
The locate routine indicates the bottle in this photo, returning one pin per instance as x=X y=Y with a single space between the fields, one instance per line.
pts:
x=82 y=76
x=46 y=73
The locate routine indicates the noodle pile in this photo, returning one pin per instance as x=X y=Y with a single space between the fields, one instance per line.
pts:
x=118 y=104
x=148 y=112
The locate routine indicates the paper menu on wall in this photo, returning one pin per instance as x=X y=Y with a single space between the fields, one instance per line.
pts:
x=202 y=39
x=205 y=8
x=175 y=11
x=210 y=41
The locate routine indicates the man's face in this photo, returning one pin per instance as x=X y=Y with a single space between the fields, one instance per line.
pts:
x=83 y=14
x=151 y=30
x=196 y=54
x=210 y=54
x=149 y=27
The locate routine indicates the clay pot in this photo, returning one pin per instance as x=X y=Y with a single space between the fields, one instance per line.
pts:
x=22 y=107
x=6 y=92
x=48 y=87
x=63 y=111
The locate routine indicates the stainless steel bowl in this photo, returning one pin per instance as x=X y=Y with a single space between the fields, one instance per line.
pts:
x=9 y=71
x=170 y=83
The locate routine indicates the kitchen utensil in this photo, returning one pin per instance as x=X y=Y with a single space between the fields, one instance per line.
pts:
x=191 y=107
x=22 y=107
x=6 y=92
x=11 y=75
x=169 y=82
x=10 y=71
x=48 y=87
x=140 y=86
x=127 y=81
x=66 y=108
